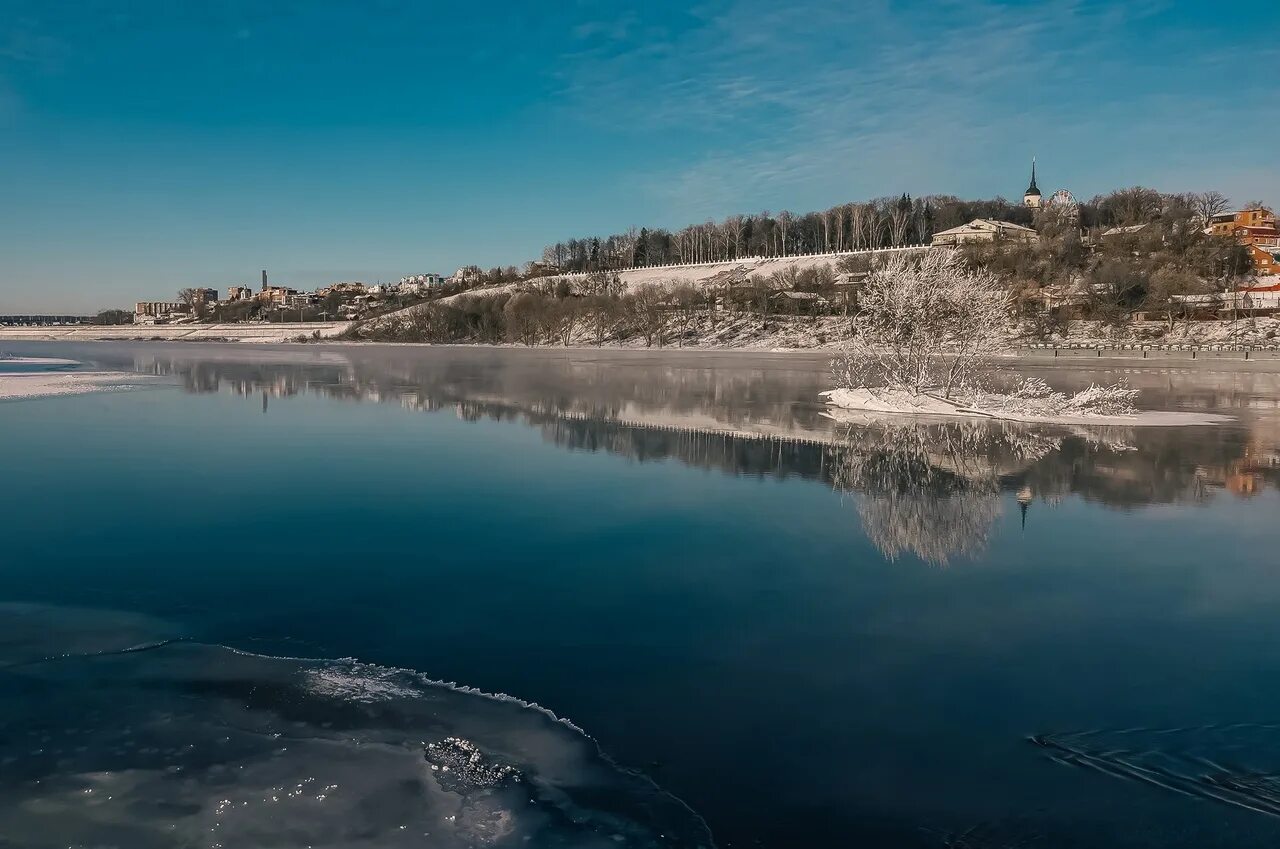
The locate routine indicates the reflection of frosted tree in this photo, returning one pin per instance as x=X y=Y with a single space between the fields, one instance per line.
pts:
x=933 y=527
x=933 y=489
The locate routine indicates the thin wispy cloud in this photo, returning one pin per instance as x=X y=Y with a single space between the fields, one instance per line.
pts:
x=198 y=139
x=889 y=97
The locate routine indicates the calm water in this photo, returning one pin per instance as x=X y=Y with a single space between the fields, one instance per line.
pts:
x=777 y=630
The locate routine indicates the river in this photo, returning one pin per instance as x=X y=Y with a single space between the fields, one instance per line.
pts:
x=234 y=596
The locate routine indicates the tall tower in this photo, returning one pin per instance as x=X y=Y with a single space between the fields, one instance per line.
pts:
x=264 y=271
x=1032 y=196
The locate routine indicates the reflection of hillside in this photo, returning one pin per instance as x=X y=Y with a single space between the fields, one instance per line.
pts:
x=760 y=400
x=757 y=420
x=1164 y=466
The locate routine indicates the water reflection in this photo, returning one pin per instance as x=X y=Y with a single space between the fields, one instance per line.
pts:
x=930 y=489
x=934 y=489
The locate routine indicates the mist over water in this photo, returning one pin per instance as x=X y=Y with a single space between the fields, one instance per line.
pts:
x=770 y=627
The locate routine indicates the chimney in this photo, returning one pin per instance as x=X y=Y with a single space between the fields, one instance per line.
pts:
x=264 y=280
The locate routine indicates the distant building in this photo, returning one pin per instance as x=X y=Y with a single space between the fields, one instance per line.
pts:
x=240 y=293
x=1068 y=299
x=537 y=268
x=791 y=301
x=1247 y=226
x=1031 y=198
x=159 y=307
x=1266 y=258
x=351 y=288
x=204 y=296
x=984 y=230
x=1256 y=230
x=276 y=294
x=415 y=281
x=151 y=312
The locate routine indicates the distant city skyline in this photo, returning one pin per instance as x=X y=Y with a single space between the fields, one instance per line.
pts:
x=146 y=148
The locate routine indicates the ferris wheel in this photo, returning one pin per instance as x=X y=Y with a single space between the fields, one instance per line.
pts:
x=1062 y=197
x=1064 y=204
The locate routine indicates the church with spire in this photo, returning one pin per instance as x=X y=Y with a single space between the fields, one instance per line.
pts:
x=1031 y=199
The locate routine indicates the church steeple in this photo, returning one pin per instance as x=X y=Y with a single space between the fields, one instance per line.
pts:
x=1032 y=196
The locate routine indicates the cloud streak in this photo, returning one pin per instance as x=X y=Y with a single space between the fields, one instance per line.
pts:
x=882 y=97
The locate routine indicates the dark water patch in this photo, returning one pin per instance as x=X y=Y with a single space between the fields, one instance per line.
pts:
x=1232 y=764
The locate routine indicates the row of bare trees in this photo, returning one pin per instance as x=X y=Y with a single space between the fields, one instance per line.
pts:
x=879 y=223
x=885 y=222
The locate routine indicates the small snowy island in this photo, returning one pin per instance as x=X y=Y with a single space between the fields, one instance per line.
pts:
x=926 y=335
x=43 y=377
x=18 y=364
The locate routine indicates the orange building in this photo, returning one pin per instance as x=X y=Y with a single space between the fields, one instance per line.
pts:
x=1266 y=258
x=1248 y=227
x=1255 y=229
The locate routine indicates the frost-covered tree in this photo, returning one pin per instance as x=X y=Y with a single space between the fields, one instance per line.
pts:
x=926 y=325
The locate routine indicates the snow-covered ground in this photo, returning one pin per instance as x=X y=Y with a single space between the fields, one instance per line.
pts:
x=698 y=275
x=261 y=333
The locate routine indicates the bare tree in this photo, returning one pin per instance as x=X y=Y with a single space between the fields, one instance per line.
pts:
x=1168 y=288
x=872 y=223
x=563 y=317
x=899 y=224
x=646 y=307
x=784 y=223
x=602 y=314
x=523 y=315
x=1209 y=204
x=859 y=229
x=1136 y=205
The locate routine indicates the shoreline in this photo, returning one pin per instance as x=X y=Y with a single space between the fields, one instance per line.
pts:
x=1067 y=358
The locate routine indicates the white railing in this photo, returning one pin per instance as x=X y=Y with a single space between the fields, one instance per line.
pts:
x=746 y=260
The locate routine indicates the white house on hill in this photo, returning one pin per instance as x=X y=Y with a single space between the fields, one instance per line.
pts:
x=984 y=230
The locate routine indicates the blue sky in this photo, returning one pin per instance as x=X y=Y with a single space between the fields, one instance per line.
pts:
x=146 y=147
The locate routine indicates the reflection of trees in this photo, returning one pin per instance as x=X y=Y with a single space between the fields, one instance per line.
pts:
x=1158 y=466
x=933 y=489
x=720 y=451
x=759 y=419
x=933 y=527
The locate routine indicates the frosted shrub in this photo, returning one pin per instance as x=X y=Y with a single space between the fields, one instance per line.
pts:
x=1033 y=396
x=1115 y=400
x=928 y=327
x=925 y=324
x=1031 y=389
